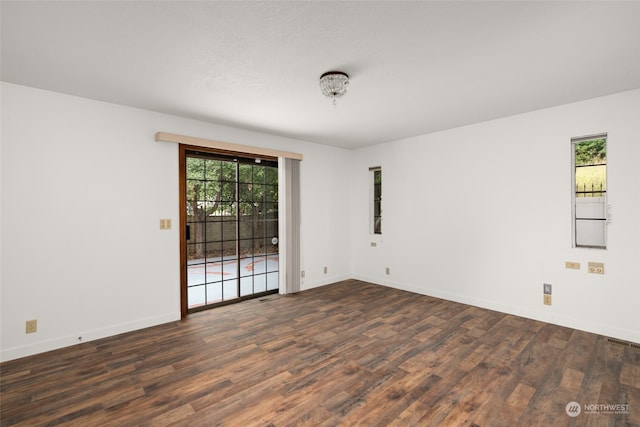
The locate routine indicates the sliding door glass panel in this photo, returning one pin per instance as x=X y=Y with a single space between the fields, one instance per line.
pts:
x=232 y=228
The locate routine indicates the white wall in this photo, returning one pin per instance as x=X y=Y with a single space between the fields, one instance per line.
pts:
x=83 y=186
x=482 y=215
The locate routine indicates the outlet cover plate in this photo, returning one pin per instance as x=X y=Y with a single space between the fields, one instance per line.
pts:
x=596 y=267
x=31 y=326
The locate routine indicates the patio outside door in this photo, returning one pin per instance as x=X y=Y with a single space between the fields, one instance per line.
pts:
x=230 y=218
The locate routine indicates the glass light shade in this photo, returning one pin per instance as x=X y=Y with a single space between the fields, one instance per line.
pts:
x=333 y=84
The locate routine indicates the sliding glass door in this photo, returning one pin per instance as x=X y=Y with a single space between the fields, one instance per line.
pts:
x=230 y=217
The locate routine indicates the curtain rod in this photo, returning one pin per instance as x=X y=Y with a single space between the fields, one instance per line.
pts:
x=227 y=146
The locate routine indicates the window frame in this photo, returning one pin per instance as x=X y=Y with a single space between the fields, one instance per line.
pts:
x=375 y=201
x=575 y=191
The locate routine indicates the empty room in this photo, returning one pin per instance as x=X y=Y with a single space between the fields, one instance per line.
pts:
x=319 y=213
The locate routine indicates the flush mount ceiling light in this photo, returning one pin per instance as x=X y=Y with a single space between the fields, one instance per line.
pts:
x=333 y=84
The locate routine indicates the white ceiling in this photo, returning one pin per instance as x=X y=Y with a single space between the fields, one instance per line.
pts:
x=415 y=67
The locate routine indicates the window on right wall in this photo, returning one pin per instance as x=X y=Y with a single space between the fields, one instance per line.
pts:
x=589 y=207
x=375 y=202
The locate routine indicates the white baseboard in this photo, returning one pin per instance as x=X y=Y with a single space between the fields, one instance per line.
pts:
x=91 y=335
x=553 y=318
x=316 y=284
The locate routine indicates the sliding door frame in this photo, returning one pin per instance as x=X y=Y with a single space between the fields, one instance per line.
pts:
x=182 y=190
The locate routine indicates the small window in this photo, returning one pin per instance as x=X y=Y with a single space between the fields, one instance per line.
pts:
x=376 y=200
x=589 y=158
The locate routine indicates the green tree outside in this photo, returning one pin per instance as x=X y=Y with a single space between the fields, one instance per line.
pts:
x=591 y=168
x=211 y=188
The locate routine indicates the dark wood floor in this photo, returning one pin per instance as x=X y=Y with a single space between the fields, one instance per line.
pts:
x=351 y=353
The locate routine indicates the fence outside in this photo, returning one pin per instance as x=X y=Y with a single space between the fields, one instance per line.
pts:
x=590 y=215
x=216 y=238
x=583 y=190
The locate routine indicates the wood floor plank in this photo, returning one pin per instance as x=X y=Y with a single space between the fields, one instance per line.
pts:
x=351 y=353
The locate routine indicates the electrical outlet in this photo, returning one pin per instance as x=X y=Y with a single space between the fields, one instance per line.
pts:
x=546 y=288
x=572 y=265
x=387 y=271
x=374 y=244
x=302 y=274
x=596 y=267
x=325 y=269
x=165 y=224
x=31 y=326
x=547 y=299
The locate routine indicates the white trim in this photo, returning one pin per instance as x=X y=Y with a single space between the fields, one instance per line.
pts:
x=574 y=141
x=69 y=340
x=526 y=313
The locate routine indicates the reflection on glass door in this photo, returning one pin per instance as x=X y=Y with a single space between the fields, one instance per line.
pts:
x=231 y=229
